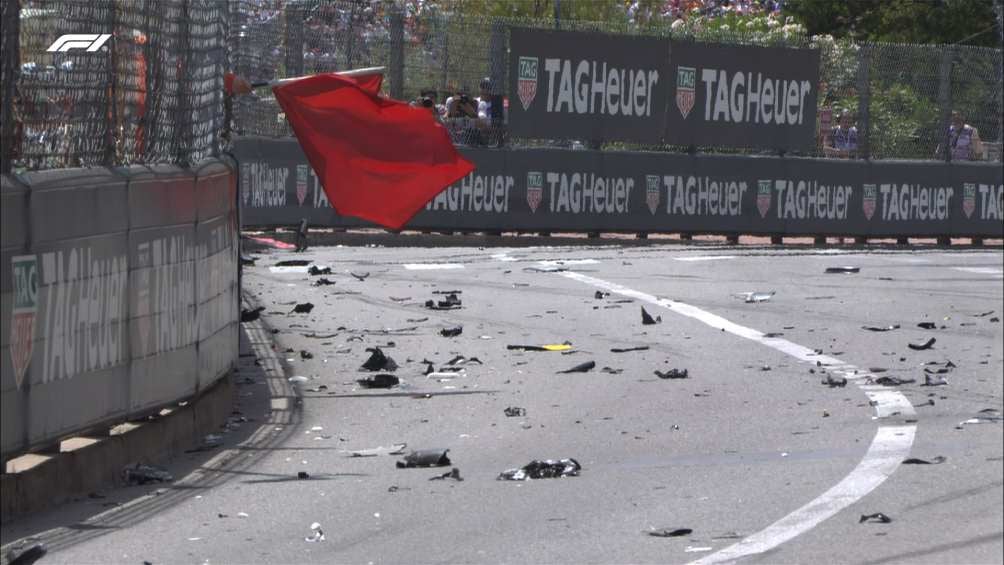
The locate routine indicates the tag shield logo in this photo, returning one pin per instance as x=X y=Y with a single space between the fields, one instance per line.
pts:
x=871 y=196
x=24 y=268
x=301 y=183
x=527 y=84
x=686 y=80
x=969 y=198
x=652 y=192
x=246 y=182
x=763 y=197
x=534 y=189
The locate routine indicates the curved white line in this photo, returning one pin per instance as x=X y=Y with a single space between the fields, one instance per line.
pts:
x=889 y=447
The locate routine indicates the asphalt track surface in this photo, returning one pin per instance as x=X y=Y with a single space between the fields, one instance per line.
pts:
x=752 y=452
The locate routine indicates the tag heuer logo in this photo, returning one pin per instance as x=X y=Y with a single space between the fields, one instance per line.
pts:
x=969 y=198
x=652 y=192
x=871 y=196
x=763 y=197
x=534 y=189
x=22 y=322
x=527 y=84
x=302 y=173
x=686 y=80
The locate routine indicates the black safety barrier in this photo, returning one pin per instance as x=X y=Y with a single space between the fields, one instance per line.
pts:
x=119 y=295
x=590 y=191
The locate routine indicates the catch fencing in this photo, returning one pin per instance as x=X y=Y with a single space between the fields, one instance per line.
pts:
x=899 y=96
x=150 y=92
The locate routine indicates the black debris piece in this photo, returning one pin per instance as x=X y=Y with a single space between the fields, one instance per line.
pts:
x=995 y=319
x=612 y=371
x=378 y=361
x=28 y=556
x=773 y=334
x=647 y=319
x=600 y=295
x=672 y=374
x=447 y=292
x=252 y=315
x=922 y=346
x=314 y=270
x=451 y=302
x=451 y=474
x=382 y=380
x=834 y=383
x=400 y=298
x=580 y=368
x=293 y=263
x=304 y=354
x=425 y=458
x=893 y=381
x=842 y=270
x=359 y=276
x=984 y=314
x=927 y=325
x=417 y=320
x=247 y=261
x=304 y=308
x=670 y=532
x=139 y=474
x=877 y=517
x=301 y=236
x=515 y=412
x=429 y=368
x=935 y=461
x=880 y=328
x=323 y=281
x=303 y=475
x=627 y=349
x=534 y=347
x=451 y=332
x=934 y=380
x=549 y=469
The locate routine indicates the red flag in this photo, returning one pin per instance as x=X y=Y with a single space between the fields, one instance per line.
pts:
x=380 y=160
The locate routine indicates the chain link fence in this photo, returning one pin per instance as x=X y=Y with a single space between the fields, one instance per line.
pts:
x=153 y=93
x=149 y=92
x=897 y=96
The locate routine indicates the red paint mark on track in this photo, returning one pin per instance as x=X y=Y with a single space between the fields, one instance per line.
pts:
x=272 y=242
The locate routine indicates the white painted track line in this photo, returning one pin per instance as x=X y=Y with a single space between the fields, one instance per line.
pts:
x=432 y=266
x=705 y=258
x=996 y=272
x=889 y=447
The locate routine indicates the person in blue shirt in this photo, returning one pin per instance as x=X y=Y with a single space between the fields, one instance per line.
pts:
x=843 y=142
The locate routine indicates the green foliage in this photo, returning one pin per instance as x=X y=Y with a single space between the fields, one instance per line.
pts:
x=904 y=124
x=969 y=22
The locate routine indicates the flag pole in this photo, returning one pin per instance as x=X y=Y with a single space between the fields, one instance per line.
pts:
x=351 y=73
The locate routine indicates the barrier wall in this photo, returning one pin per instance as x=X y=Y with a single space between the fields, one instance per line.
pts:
x=119 y=295
x=586 y=191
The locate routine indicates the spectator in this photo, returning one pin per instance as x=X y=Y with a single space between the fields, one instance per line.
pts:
x=963 y=141
x=843 y=142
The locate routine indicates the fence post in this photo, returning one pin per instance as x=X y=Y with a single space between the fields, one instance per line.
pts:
x=445 y=31
x=497 y=70
x=10 y=64
x=945 y=98
x=864 y=102
x=294 y=40
x=397 y=54
x=112 y=79
x=183 y=125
